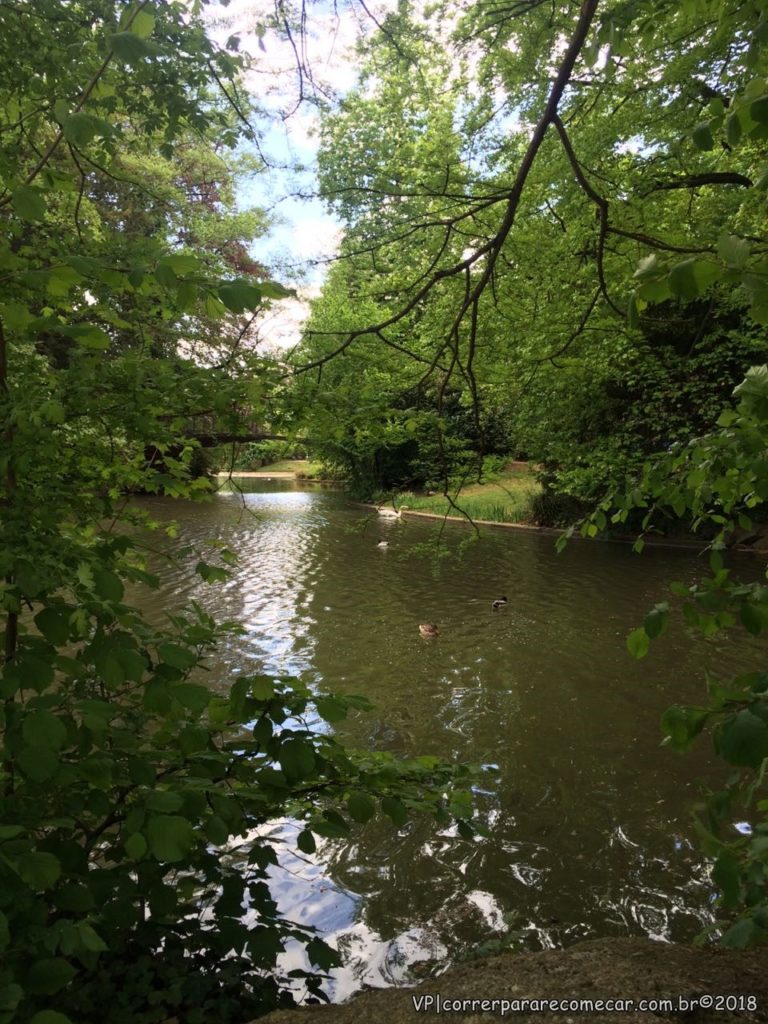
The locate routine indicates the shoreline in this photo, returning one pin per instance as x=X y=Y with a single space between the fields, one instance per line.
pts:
x=685 y=543
x=276 y=475
x=549 y=531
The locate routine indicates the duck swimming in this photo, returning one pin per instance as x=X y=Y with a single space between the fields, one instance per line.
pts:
x=428 y=629
x=500 y=602
x=383 y=544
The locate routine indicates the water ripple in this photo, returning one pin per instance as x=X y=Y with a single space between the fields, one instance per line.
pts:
x=590 y=817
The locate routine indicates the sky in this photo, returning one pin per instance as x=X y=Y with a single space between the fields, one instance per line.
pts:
x=305 y=234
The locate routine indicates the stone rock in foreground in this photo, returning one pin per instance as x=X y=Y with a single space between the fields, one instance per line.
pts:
x=599 y=969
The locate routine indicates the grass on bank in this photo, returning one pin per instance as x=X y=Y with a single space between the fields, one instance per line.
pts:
x=304 y=469
x=507 y=499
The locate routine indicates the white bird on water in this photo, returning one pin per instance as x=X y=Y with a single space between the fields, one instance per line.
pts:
x=390 y=513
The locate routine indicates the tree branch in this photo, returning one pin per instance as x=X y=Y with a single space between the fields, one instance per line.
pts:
x=600 y=202
x=84 y=97
x=492 y=248
x=707 y=178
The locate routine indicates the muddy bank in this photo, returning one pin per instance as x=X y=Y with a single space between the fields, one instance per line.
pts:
x=626 y=969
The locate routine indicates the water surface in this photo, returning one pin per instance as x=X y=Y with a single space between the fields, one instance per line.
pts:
x=591 y=818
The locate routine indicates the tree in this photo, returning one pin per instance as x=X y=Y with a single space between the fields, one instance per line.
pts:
x=541 y=190
x=608 y=197
x=130 y=797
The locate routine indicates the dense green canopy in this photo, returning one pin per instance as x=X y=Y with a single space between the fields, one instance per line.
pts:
x=555 y=217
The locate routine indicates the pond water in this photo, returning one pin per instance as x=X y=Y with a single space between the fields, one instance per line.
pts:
x=590 y=817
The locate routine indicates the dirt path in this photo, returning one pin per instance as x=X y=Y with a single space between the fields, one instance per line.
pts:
x=608 y=969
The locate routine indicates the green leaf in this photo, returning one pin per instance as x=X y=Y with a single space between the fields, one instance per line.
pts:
x=10 y=997
x=638 y=643
x=275 y=290
x=262 y=688
x=42 y=728
x=192 y=738
x=727 y=876
x=216 y=830
x=648 y=266
x=129 y=47
x=143 y=24
x=49 y=976
x=321 y=954
x=655 y=291
x=79 y=128
x=264 y=944
x=733 y=129
x=170 y=837
x=752 y=617
x=40 y=871
x=191 y=695
x=16 y=314
x=758 y=110
x=97 y=771
x=238 y=296
x=741 y=934
x=394 y=809
x=133 y=664
x=181 y=263
x=702 y=137
x=109 y=667
x=297 y=759
x=691 y=278
x=360 y=806
x=331 y=709
x=29 y=203
x=176 y=656
x=211 y=573
x=633 y=313
x=53 y=623
x=306 y=841
x=165 y=800
x=743 y=739
x=682 y=725
x=135 y=846
x=90 y=938
x=38 y=763
x=33 y=672
x=732 y=250
x=331 y=825
x=74 y=896
x=108 y=586
x=655 y=623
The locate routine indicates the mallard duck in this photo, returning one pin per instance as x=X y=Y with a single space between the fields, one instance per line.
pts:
x=428 y=629
x=500 y=602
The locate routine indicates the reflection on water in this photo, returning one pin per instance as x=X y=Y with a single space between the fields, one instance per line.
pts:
x=590 y=816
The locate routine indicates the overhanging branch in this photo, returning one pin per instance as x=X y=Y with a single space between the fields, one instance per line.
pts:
x=492 y=248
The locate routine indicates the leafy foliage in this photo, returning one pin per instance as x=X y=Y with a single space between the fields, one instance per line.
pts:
x=132 y=866
x=585 y=315
x=132 y=801
x=581 y=256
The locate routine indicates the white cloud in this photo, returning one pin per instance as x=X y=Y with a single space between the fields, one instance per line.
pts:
x=280 y=326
